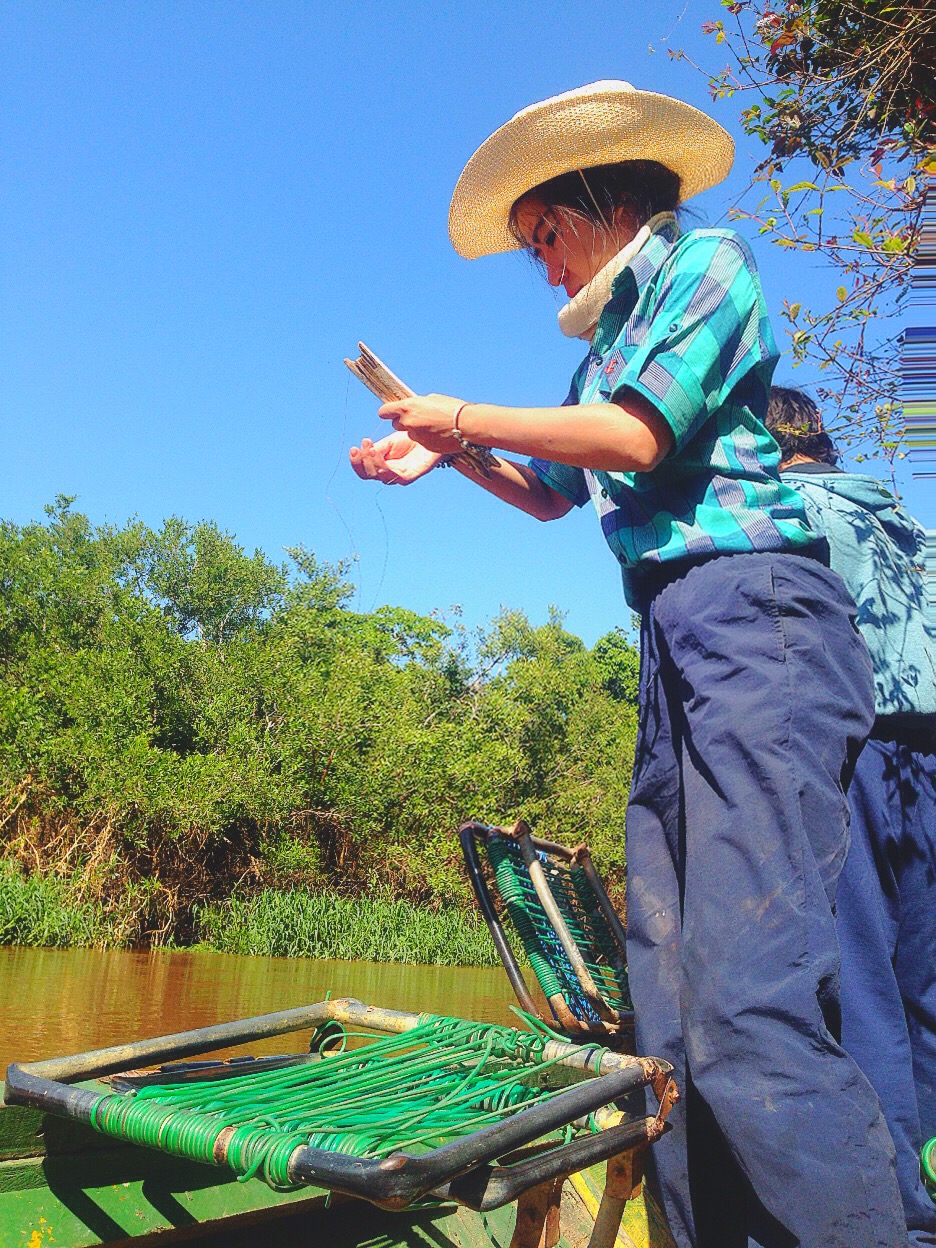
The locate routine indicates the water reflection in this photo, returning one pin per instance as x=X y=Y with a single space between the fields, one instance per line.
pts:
x=60 y=1001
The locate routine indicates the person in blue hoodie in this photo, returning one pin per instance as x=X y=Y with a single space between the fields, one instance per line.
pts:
x=886 y=915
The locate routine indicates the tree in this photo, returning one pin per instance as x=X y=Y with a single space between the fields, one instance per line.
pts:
x=180 y=719
x=846 y=106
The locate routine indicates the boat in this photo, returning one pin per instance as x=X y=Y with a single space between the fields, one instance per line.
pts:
x=71 y=1183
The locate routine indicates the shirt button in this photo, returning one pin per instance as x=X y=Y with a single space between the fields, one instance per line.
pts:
x=604 y=493
x=674 y=328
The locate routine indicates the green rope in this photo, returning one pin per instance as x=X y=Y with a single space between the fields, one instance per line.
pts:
x=928 y=1162
x=441 y=1081
x=580 y=910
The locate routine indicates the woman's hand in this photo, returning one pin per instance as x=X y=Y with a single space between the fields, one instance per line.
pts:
x=428 y=419
x=395 y=460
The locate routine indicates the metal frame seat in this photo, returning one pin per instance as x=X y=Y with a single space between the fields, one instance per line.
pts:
x=524 y=1155
x=564 y=921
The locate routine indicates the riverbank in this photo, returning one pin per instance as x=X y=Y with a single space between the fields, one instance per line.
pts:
x=55 y=912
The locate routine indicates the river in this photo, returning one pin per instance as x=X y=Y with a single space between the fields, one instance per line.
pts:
x=55 y=1002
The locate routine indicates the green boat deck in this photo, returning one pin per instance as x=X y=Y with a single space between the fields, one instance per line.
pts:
x=63 y=1185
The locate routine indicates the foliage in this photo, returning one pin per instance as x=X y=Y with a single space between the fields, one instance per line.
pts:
x=57 y=912
x=305 y=924
x=846 y=105
x=185 y=720
x=47 y=910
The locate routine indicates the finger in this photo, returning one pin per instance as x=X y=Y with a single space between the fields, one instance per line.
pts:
x=388 y=410
x=372 y=464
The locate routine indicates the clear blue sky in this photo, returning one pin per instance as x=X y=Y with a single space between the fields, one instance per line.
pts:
x=203 y=206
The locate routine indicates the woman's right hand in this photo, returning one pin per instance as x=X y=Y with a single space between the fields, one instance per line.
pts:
x=394 y=460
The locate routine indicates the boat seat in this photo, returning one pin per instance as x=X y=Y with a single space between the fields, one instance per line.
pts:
x=563 y=918
x=429 y=1107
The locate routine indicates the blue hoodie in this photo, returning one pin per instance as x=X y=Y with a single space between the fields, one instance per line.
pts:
x=878 y=550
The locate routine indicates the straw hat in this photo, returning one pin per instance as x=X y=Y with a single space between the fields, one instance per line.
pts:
x=599 y=124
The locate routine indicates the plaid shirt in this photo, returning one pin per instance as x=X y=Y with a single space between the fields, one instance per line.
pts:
x=687 y=328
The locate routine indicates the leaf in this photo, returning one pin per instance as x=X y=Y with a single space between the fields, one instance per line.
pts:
x=841 y=294
x=863 y=238
x=795 y=310
x=782 y=42
x=803 y=186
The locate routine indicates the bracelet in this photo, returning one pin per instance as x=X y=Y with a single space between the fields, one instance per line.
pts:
x=480 y=458
x=456 y=432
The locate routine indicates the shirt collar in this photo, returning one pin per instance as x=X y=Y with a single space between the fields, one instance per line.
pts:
x=649 y=259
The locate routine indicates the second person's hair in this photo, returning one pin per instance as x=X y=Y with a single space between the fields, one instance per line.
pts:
x=796 y=423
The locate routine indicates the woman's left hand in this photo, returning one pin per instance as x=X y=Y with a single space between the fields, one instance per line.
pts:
x=427 y=418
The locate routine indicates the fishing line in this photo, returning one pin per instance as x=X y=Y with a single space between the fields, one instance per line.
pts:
x=386 y=554
x=355 y=554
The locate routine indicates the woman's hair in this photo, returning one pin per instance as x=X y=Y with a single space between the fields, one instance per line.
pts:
x=796 y=424
x=642 y=188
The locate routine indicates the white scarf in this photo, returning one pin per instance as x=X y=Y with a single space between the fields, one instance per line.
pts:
x=579 y=317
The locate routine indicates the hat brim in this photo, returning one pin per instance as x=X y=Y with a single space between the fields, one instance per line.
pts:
x=580 y=130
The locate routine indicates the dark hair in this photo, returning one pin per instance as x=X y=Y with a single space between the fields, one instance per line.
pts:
x=796 y=423
x=641 y=187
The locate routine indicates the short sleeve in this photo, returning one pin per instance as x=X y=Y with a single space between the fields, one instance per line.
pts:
x=565 y=480
x=707 y=330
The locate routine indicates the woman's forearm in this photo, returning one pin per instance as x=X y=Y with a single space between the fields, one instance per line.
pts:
x=519 y=485
x=602 y=436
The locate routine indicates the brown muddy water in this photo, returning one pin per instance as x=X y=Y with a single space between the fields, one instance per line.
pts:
x=55 y=1002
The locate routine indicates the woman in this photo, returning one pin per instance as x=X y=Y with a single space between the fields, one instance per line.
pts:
x=737 y=821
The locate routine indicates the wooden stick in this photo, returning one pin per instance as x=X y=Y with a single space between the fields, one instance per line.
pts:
x=387 y=386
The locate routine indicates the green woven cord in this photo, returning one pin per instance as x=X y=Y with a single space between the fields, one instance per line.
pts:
x=579 y=909
x=439 y=1082
x=928 y=1161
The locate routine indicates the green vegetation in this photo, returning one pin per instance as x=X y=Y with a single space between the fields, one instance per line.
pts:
x=196 y=742
x=303 y=924
x=297 y=923
x=44 y=910
x=842 y=94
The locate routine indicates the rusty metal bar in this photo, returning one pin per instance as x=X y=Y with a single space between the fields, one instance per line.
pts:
x=468 y=834
x=581 y=857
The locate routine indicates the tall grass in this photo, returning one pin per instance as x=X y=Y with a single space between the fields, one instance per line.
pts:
x=52 y=911
x=303 y=924
x=47 y=910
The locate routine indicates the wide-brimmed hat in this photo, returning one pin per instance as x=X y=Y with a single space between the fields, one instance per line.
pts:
x=601 y=124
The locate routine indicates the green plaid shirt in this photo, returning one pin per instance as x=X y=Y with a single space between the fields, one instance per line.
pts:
x=687 y=328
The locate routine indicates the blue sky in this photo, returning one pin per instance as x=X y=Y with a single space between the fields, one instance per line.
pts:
x=203 y=207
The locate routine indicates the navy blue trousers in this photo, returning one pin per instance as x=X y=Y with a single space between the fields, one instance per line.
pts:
x=887 y=931
x=755 y=698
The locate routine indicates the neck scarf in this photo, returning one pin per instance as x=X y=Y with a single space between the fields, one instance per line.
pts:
x=579 y=317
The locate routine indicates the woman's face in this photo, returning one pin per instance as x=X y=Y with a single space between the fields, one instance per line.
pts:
x=571 y=248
